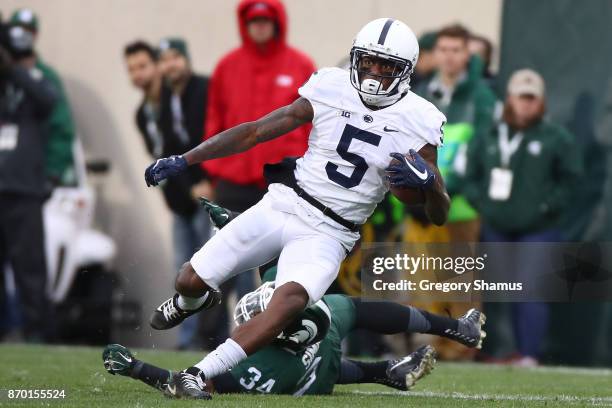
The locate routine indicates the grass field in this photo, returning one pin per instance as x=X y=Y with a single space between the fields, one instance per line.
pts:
x=79 y=371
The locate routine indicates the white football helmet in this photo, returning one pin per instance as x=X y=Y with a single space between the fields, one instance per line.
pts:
x=309 y=327
x=253 y=303
x=394 y=42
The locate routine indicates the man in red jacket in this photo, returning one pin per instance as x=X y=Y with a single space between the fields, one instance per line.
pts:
x=261 y=75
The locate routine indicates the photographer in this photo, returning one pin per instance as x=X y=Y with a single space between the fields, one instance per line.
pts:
x=26 y=100
x=61 y=130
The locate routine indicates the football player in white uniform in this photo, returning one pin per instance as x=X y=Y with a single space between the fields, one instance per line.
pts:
x=310 y=219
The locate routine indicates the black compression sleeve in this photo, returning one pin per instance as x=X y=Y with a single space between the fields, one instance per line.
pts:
x=380 y=316
x=391 y=318
x=151 y=375
x=359 y=372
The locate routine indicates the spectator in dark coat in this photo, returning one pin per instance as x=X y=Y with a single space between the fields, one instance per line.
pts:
x=520 y=176
x=141 y=61
x=27 y=99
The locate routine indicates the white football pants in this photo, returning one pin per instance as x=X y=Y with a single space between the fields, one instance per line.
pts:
x=307 y=256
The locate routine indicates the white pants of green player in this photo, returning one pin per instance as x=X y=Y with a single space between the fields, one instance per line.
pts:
x=307 y=256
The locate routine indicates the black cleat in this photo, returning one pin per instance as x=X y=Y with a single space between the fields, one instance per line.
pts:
x=188 y=383
x=403 y=373
x=469 y=331
x=169 y=314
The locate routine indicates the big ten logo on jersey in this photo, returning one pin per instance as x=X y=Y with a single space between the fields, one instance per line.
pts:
x=345 y=114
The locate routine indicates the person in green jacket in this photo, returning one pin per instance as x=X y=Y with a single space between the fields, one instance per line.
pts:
x=459 y=91
x=520 y=176
x=426 y=64
x=60 y=126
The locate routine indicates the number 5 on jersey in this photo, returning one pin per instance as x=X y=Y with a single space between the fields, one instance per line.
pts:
x=361 y=166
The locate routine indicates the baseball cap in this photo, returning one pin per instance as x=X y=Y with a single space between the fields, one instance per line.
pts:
x=526 y=82
x=174 y=43
x=259 y=10
x=26 y=18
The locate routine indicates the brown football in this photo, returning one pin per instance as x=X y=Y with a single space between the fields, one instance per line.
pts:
x=408 y=196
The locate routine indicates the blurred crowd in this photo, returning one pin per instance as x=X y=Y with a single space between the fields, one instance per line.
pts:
x=508 y=169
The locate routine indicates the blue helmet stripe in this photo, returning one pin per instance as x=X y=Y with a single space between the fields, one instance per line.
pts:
x=385 y=31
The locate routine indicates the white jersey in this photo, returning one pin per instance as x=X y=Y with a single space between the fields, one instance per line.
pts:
x=349 y=145
x=348 y=150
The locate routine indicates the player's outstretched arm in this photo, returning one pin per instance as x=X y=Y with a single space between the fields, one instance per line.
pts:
x=437 y=201
x=234 y=140
x=243 y=137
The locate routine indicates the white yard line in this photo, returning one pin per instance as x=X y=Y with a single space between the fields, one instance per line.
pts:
x=606 y=401
x=540 y=369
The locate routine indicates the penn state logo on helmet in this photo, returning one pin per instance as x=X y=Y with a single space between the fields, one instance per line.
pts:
x=394 y=44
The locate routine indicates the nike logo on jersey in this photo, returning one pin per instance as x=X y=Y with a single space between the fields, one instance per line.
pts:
x=388 y=129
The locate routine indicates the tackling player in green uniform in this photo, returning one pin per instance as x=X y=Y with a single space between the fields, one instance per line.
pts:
x=282 y=368
x=306 y=358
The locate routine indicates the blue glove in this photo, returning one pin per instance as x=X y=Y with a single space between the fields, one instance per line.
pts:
x=164 y=168
x=412 y=172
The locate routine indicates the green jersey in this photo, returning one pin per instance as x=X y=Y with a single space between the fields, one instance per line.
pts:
x=279 y=370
